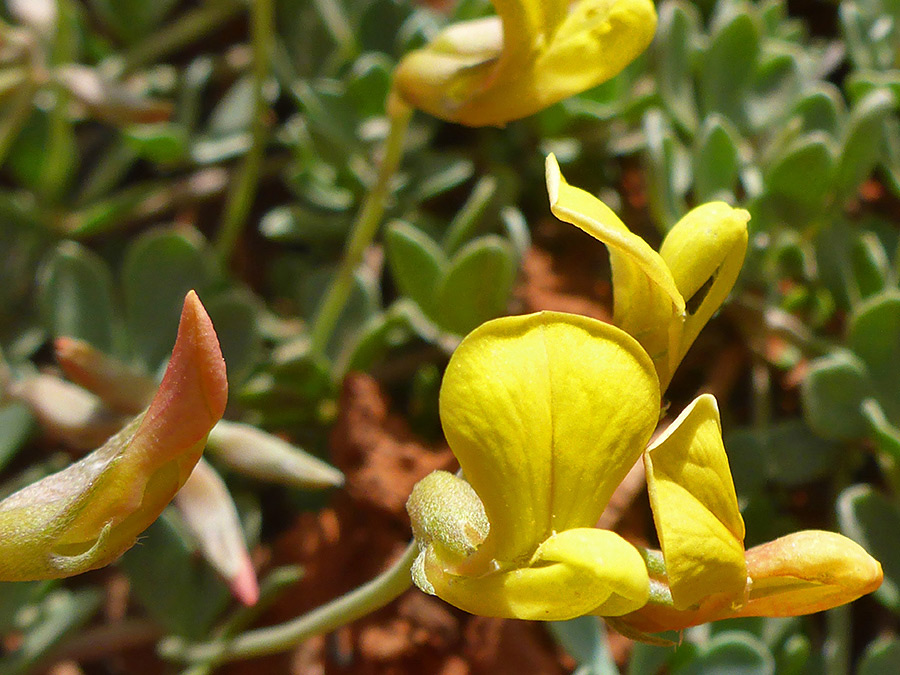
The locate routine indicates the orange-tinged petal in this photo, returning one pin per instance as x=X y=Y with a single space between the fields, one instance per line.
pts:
x=210 y=514
x=807 y=572
x=801 y=573
x=117 y=385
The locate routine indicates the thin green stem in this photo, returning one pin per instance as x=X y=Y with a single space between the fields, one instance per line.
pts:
x=837 y=644
x=269 y=591
x=185 y=30
x=363 y=231
x=241 y=198
x=359 y=602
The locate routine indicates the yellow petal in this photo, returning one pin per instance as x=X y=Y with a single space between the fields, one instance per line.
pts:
x=647 y=304
x=440 y=78
x=546 y=414
x=572 y=573
x=528 y=25
x=533 y=54
x=705 y=251
x=695 y=507
x=87 y=515
x=807 y=572
x=597 y=39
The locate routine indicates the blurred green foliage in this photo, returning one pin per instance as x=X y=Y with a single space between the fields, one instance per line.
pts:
x=226 y=146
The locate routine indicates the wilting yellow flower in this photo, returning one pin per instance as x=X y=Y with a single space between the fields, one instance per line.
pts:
x=87 y=515
x=534 y=53
x=546 y=413
x=662 y=299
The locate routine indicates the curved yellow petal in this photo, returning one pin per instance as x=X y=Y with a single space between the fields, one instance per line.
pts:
x=546 y=413
x=572 y=573
x=705 y=251
x=528 y=25
x=647 y=303
x=490 y=71
x=807 y=572
x=441 y=77
x=695 y=507
x=595 y=42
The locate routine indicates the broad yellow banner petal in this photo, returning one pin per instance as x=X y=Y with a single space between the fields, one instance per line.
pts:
x=695 y=507
x=546 y=414
x=595 y=42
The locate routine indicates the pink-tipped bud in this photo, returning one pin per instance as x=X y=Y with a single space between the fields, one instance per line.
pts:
x=87 y=515
x=211 y=516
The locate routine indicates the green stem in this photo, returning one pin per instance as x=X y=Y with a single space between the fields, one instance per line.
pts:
x=362 y=232
x=241 y=200
x=188 y=28
x=837 y=645
x=269 y=591
x=359 y=602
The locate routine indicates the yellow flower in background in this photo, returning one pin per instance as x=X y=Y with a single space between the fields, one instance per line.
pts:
x=490 y=71
x=546 y=413
x=90 y=513
x=662 y=299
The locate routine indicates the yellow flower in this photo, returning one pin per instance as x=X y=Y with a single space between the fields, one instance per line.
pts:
x=546 y=413
x=90 y=513
x=662 y=299
x=490 y=71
